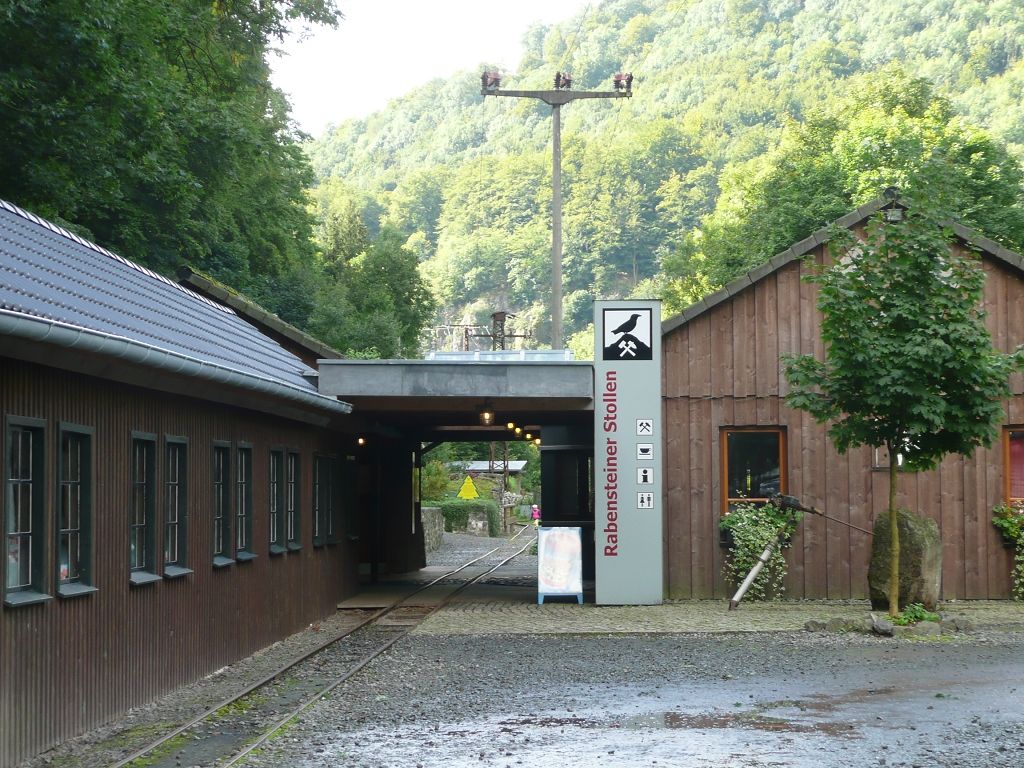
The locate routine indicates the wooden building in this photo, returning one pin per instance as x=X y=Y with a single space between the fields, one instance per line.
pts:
x=729 y=433
x=177 y=493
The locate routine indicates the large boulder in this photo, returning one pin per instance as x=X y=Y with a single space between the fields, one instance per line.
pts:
x=920 y=561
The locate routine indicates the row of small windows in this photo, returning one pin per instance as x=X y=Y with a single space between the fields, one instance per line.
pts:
x=25 y=519
x=24 y=502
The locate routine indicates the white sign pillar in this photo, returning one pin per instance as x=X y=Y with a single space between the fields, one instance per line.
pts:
x=627 y=453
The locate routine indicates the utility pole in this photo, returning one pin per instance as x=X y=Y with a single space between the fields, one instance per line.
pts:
x=562 y=93
x=498 y=334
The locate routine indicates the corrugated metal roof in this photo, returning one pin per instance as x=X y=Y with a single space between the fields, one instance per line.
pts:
x=49 y=273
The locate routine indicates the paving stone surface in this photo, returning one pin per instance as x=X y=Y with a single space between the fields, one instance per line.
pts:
x=507 y=605
x=505 y=617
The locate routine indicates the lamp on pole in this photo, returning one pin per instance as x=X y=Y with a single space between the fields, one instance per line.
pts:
x=562 y=93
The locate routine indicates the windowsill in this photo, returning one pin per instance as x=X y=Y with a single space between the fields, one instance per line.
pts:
x=293 y=546
x=141 y=578
x=175 y=571
x=244 y=556
x=25 y=597
x=75 y=589
x=219 y=561
x=277 y=549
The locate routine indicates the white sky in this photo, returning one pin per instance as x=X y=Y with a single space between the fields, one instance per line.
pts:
x=384 y=48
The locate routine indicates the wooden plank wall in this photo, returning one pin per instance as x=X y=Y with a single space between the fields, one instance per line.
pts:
x=70 y=664
x=722 y=370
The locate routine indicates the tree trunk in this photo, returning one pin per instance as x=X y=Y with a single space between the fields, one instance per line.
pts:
x=894 y=561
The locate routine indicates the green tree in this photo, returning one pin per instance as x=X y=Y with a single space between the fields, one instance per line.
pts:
x=909 y=364
x=153 y=126
x=375 y=303
x=434 y=480
x=341 y=232
x=751 y=125
x=887 y=129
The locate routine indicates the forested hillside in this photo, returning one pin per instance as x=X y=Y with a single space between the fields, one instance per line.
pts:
x=151 y=126
x=752 y=123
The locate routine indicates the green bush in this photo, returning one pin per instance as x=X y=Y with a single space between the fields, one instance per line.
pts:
x=434 y=481
x=493 y=519
x=751 y=528
x=914 y=614
x=1009 y=521
x=456 y=513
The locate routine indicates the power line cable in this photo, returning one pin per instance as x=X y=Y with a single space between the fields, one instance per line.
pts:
x=640 y=67
x=567 y=56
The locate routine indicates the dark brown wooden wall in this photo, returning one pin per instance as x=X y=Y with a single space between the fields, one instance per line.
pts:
x=721 y=369
x=70 y=664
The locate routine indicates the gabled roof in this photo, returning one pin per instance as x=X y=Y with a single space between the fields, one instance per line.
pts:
x=514 y=466
x=255 y=314
x=58 y=288
x=805 y=246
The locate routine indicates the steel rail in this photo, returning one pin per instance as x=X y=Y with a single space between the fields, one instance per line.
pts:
x=269 y=733
x=264 y=681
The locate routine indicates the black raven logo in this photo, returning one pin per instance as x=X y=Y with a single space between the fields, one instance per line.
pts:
x=626 y=345
x=629 y=325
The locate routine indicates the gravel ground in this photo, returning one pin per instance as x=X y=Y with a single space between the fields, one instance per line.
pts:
x=677 y=700
x=110 y=743
x=457 y=548
x=455 y=698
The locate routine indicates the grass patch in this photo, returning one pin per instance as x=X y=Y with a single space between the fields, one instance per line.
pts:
x=162 y=752
x=239 y=707
x=144 y=732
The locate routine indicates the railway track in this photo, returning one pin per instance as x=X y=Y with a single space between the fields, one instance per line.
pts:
x=227 y=732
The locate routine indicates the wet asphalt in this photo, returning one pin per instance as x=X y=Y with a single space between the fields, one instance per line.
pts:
x=744 y=699
x=741 y=700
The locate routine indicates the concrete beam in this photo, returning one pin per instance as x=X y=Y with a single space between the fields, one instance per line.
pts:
x=568 y=381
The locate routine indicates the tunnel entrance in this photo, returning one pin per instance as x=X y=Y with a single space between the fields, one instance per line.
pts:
x=403 y=409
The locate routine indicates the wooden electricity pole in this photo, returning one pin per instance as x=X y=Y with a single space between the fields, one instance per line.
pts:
x=561 y=94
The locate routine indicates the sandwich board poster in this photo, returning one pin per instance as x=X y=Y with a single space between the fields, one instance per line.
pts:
x=559 y=563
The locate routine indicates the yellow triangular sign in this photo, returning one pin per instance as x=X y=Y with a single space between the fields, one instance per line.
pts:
x=468 y=490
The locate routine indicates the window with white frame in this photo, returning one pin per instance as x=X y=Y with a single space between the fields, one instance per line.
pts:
x=243 y=504
x=323 y=500
x=275 y=501
x=142 y=512
x=24 y=520
x=222 y=505
x=74 y=511
x=292 y=502
x=175 y=507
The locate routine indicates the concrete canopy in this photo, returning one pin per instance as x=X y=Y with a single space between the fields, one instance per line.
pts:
x=432 y=400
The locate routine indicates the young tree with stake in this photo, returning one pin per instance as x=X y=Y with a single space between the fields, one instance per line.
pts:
x=909 y=364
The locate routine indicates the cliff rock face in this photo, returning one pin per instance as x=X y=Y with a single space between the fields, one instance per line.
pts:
x=920 y=561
